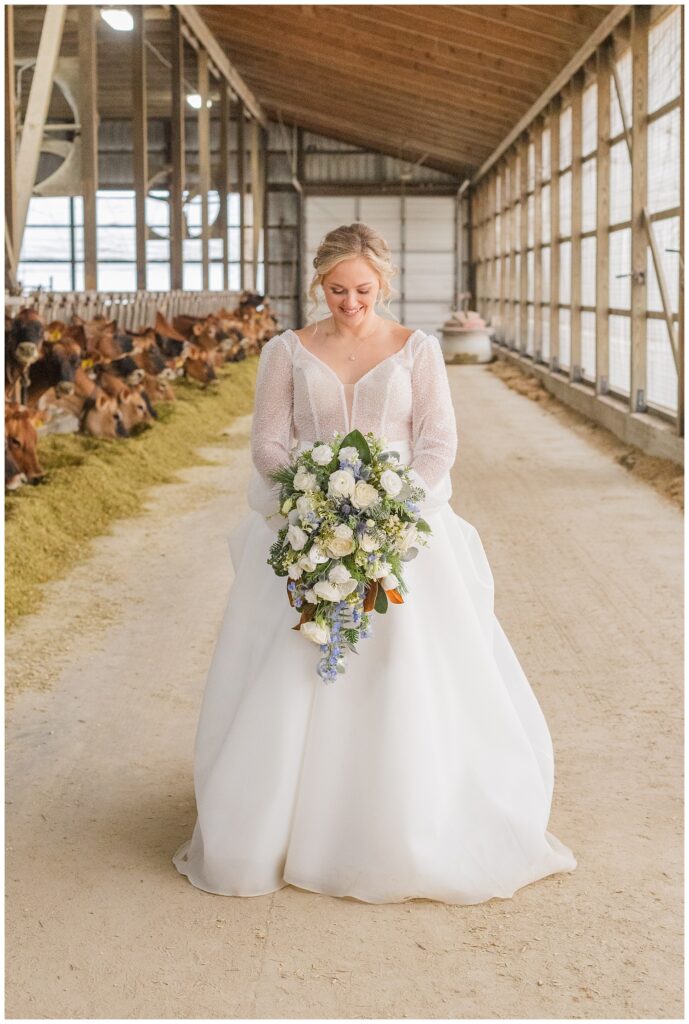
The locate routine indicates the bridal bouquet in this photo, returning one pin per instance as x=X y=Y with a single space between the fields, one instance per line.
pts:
x=353 y=520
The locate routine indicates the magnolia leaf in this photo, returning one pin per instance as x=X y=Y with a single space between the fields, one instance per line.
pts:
x=381 y=604
x=358 y=441
x=370 y=596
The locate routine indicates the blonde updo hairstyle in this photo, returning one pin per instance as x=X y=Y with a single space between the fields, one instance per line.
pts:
x=346 y=243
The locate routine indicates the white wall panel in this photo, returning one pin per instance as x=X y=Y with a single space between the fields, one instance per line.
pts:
x=422 y=244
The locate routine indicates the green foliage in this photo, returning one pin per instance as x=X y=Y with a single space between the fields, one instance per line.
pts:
x=357 y=440
x=381 y=603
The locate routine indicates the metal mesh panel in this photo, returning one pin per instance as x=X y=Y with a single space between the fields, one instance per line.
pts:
x=619 y=346
x=661 y=379
x=664 y=56
x=620 y=268
x=588 y=271
x=588 y=346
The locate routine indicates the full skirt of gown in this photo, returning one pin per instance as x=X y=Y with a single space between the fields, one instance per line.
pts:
x=426 y=770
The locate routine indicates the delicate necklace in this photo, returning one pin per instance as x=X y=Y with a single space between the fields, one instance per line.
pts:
x=352 y=355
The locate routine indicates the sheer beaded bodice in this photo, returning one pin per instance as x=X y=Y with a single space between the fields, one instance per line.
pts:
x=404 y=397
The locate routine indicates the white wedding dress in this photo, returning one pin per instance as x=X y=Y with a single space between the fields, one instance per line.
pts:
x=426 y=770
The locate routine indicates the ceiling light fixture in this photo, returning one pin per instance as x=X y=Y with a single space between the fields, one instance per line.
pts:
x=117 y=18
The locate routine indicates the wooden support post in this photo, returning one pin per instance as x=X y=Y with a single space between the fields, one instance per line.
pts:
x=523 y=244
x=139 y=139
x=538 y=242
x=680 y=324
x=638 y=354
x=494 y=255
x=266 y=210
x=504 y=248
x=555 y=236
x=89 y=140
x=177 y=176
x=204 y=163
x=241 y=185
x=603 y=59
x=301 y=226
x=10 y=150
x=36 y=114
x=224 y=184
x=514 y=302
x=471 y=256
x=575 y=360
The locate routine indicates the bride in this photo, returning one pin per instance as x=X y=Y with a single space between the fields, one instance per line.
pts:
x=426 y=770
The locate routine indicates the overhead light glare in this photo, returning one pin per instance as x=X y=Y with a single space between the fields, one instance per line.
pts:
x=194 y=100
x=117 y=18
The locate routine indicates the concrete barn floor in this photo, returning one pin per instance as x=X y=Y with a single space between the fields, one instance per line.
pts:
x=104 y=688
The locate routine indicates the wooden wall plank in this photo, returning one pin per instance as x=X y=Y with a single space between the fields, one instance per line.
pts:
x=139 y=140
x=638 y=368
x=575 y=372
x=554 y=359
x=177 y=160
x=603 y=220
x=89 y=140
x=204 y=162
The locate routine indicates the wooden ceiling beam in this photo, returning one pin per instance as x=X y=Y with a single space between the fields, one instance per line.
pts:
x=450 y=161
x=372 y=116
x=605 y=29
x=407 y=55
x=540 y=25
x=518 y=43
x=433 y=86
x=587 y=15
x=276 y=72
x=478 y=47
x=190 y=14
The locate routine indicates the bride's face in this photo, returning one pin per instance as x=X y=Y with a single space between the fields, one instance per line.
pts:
x=351 y=289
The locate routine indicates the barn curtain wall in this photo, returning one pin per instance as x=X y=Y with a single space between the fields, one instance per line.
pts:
x=554 y=224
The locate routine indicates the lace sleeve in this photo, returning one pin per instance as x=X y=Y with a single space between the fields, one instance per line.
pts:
x=271 y=427
x=434 y=427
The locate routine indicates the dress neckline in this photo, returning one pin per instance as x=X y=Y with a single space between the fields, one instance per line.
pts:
x=364 y=375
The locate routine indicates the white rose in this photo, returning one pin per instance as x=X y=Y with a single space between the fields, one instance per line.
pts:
x=296 y=537
x=327 y=590
x=304 y=505
x=368 y=542
x=310 y=596
x=317 y=554
x=390 y=582
x=305 y=481
x=342 y=542
x=295 y=570
x=364 y=494
x=306 y=562
x=349 y=453
x=314 y=631
x=390 y=482
x=322 y=454
x=341 y=484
